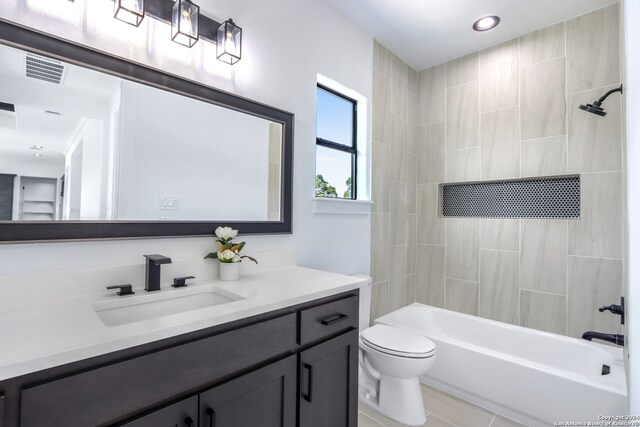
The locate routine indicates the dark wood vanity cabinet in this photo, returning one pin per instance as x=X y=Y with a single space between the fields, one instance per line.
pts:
x=295 y=366
x=1 y=411
x=329 y=382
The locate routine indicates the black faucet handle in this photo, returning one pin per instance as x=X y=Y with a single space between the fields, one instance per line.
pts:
x=181 y=282
x=158 y=259
x=615 y=309
x=126 y=289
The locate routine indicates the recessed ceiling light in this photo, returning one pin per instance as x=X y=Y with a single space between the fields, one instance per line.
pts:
x=37 y=155
x=486 y=23
x=36 y=147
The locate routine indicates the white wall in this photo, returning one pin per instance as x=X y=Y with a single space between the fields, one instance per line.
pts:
x=286 y=43
x=631 y=14
x=214 y=160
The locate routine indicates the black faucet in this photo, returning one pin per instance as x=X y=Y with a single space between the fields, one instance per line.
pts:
x=612 y=338
x=152 y=271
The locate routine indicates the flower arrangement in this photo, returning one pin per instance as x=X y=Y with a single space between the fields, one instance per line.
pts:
x=229 y=252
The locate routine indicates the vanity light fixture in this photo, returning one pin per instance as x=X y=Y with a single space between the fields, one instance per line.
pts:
x=184 y=23
x=486 y=23
x=129 y=11
x=229 y=42
x=187 y=24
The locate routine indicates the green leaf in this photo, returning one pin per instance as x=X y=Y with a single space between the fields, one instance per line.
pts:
x=213 y=255
x=251 y=258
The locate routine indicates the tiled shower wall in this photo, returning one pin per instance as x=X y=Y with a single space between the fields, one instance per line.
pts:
x=508 y=111
x=511 y=111
x=394 y=160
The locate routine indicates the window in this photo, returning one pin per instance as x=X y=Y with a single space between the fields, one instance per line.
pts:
x=336 y=148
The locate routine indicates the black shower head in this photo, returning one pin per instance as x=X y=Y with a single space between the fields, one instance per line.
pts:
x=596 y=108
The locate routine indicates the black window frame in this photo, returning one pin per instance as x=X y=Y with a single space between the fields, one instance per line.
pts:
x=353 y=149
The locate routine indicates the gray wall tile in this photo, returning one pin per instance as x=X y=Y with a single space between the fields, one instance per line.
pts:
x=431 y=153
x=593 y=49
x=381 y=177
x=595 y=143
x=381 y=59
x=463 y=70
x=500 y=234
x=430 y=226
x=598 y=232
x=542 y=45
x=543 y=257
x=499 y=74
x=412 y=174
x=461 y=296
x=430 y=275
x=431 y=95
x=543 y=157
x=379 y=301
x=398 y=224
x=380 y=247
x=381 y=109
x=399 y=150
x=463 y=165
x=593 y=282
x=413 y=81
x=463 y=246
x=411 y=289
x=543 y=104
x=412 y=123
x=463 y=116
x=399 y=87
x=397 y=281
x=412 y=243
x=499 y=293
x=545 y=312
x=500 y=143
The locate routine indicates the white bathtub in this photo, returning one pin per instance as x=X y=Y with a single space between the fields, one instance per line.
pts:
x=531 y=376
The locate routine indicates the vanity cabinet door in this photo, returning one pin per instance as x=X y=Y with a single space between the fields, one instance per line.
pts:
x=181 y=414
x=263 y=398
x=329 y=383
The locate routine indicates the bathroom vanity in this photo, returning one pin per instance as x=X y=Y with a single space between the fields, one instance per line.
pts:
x=295 y=365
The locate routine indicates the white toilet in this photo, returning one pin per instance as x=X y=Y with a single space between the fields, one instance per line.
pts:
x=391 y=361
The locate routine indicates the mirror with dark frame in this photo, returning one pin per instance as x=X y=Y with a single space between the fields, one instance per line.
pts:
x=93 y=147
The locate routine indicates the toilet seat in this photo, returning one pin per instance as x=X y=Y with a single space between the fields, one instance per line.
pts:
x=397 y=342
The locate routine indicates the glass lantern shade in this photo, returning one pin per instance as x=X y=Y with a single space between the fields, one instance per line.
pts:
x=184 y=23
x=129 y=11
x=229 y=41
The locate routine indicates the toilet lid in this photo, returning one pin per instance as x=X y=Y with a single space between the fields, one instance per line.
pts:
x=396 y=341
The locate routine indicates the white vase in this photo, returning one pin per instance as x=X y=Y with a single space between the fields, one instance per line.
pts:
x=229 y=271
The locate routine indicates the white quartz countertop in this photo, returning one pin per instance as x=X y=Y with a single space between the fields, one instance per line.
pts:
x=52 y=332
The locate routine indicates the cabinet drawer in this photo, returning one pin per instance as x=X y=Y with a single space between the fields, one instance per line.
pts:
x=327 y=319
x=121 y=390
x=181 y=414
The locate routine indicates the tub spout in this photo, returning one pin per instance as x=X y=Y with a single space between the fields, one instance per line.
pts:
x=612 y=338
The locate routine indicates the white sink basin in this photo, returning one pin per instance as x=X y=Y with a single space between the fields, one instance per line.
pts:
x=150 y=306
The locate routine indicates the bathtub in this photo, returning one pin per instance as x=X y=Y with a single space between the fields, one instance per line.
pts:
x=534 y=377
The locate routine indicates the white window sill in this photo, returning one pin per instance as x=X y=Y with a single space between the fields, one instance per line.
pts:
x=331 y=206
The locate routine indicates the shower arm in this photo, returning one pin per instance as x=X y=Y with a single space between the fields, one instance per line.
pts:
x=606 y=95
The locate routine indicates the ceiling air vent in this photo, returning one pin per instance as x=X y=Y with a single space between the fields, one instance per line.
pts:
x=45 y=69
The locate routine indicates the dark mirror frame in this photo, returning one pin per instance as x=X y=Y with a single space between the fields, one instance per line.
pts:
x=36 y=231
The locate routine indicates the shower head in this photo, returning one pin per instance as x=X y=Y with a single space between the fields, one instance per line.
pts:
x=596 y=107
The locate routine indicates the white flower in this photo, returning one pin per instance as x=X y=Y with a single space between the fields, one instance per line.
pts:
x=226 y=256
x=236 y=258
x=226 y=233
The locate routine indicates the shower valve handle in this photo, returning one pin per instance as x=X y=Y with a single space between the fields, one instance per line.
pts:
x=615 y=309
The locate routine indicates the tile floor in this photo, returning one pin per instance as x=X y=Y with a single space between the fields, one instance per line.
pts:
x=443 y=410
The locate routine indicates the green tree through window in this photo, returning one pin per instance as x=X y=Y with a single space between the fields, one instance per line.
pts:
x=347 y=193
x=323 y=189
